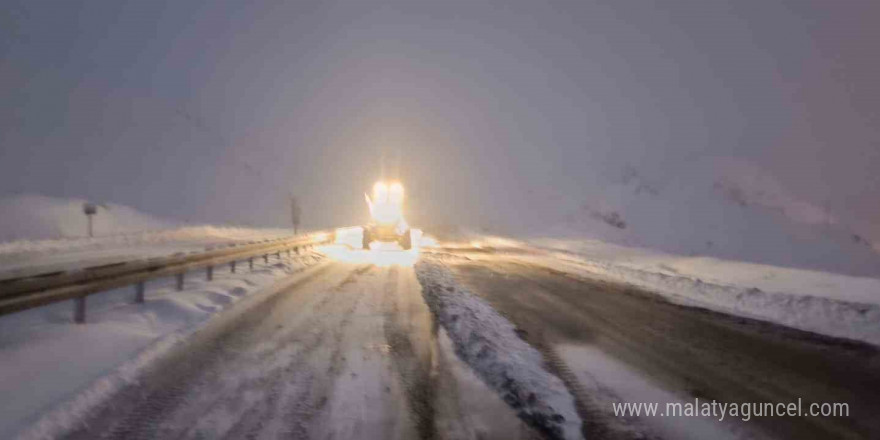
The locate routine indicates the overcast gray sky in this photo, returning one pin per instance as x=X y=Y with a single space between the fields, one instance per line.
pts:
x=210 y=111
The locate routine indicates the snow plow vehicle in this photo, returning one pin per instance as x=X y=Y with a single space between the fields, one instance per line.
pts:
x=386 y=217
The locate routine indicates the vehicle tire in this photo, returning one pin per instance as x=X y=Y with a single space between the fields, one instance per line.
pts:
x=406 y=240
x=367 y=239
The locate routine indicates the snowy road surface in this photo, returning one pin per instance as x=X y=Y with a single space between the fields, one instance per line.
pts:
x=474 y=343
x=615 y=343
x=348 y=351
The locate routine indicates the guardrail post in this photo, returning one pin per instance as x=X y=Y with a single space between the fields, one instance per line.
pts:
x=180 y=281
x=266 y=258
x=251 y=262
x=139 y=293
x=79 y=310
x=232 y=266
x=209 y=273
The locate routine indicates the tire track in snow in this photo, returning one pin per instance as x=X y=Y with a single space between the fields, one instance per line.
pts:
x=414 y=370
x=144 y=410
x=292 y=387
x=624 y=428
x=254 y=422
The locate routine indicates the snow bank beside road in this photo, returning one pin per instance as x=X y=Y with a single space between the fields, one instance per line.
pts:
x=820 y=302
x=48 y=235
x=723 y=272
x=19 y=258
x=489 y=344
x=184 y=238
x=105 y=354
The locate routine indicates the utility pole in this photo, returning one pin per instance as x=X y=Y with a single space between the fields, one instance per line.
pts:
x=295 y=213
x=90 y=209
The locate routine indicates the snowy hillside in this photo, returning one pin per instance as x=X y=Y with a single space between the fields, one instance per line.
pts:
x=41 y=217
x=724 y=208
x=44 y=234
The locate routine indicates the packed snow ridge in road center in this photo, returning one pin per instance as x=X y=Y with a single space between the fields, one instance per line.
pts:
x=490 y=345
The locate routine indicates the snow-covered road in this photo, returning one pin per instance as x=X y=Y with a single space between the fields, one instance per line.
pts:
x=614 y=343
x=460 y=342
x=348 y=351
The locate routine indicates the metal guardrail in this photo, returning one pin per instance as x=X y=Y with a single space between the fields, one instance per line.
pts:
x=25 y=293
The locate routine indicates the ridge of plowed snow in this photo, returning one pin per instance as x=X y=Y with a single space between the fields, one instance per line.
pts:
x=489 y=344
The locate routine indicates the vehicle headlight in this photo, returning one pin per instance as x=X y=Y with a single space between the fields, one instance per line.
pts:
x=380 y=192
x=395 y=193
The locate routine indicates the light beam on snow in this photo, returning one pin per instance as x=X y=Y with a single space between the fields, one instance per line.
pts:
x=381 y=254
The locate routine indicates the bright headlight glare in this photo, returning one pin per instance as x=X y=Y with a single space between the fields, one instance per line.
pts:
x=396 y=193
x=380 y=192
